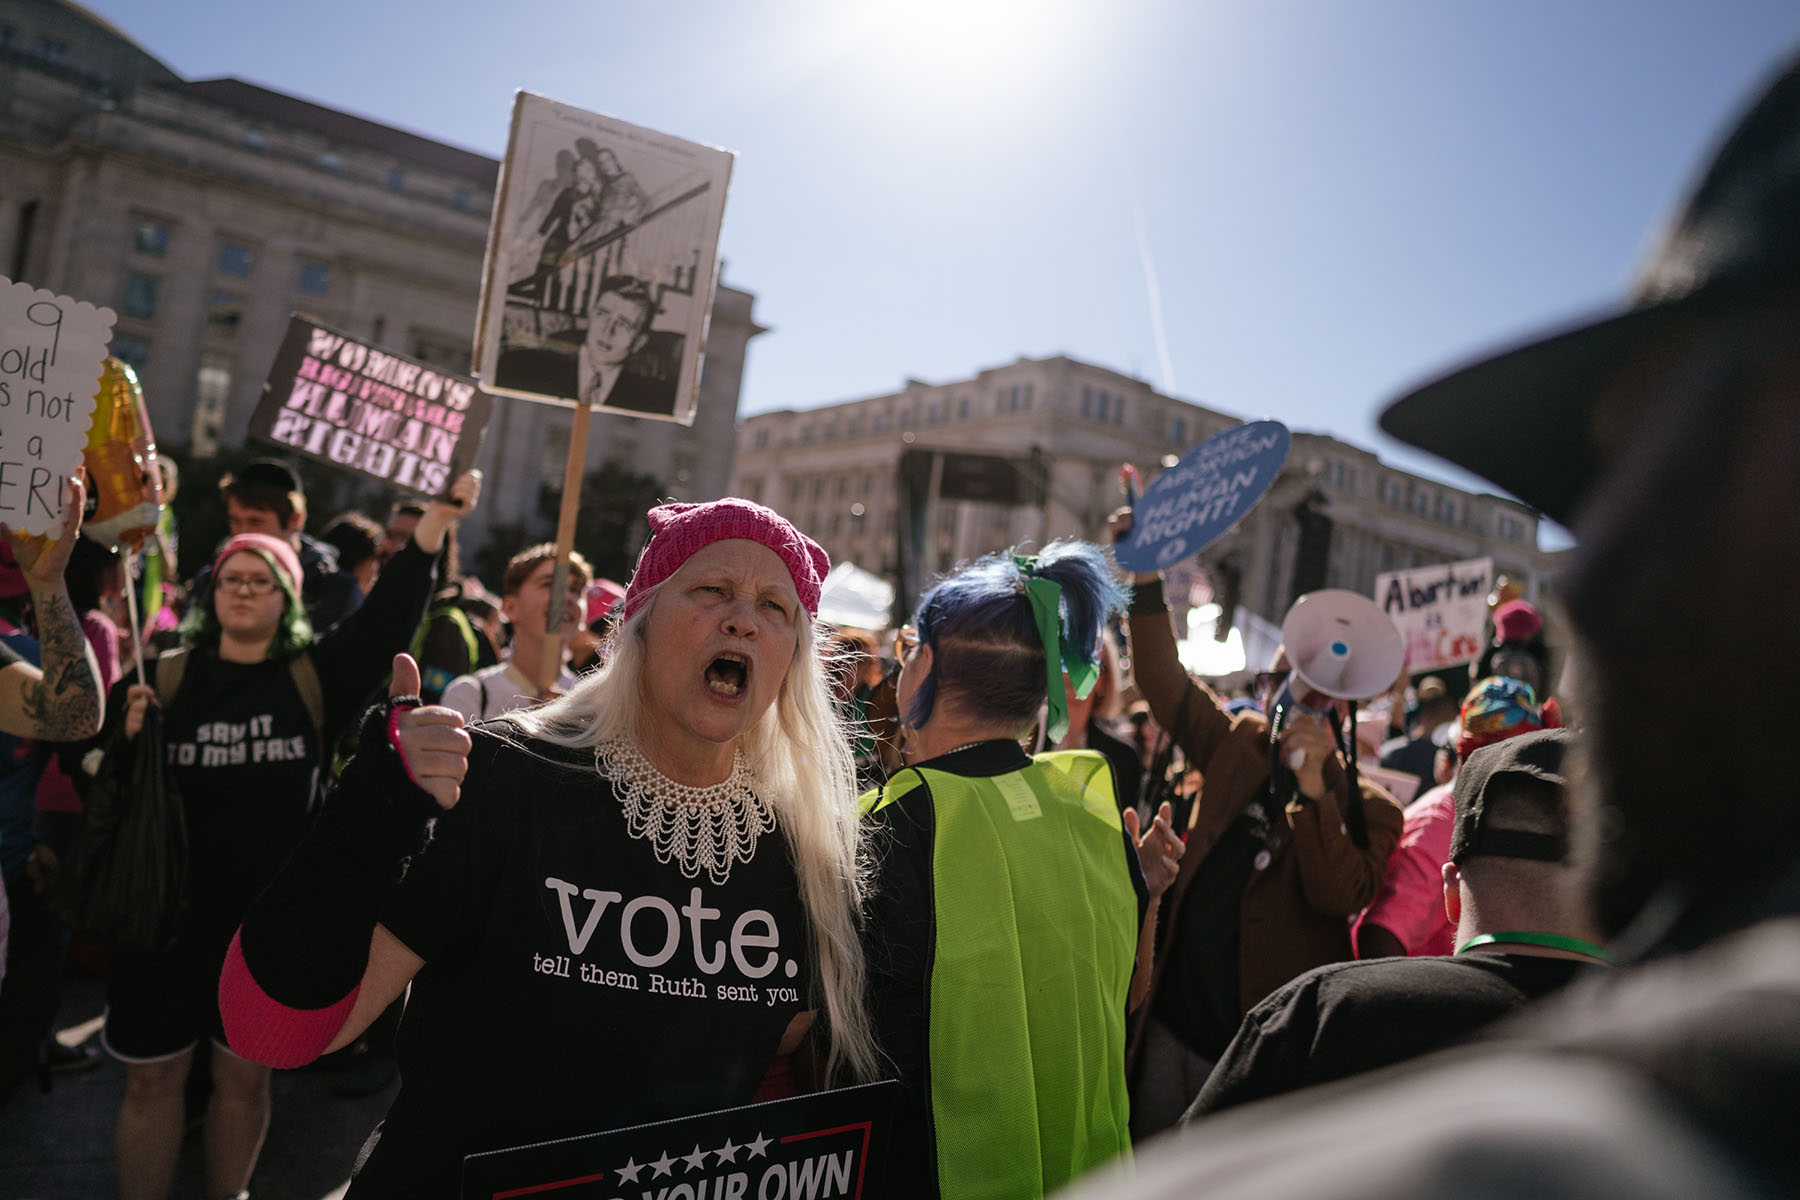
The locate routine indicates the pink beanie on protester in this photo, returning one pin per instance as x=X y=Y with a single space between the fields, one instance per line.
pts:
x=279 y=554
x=1516 y=621
x=678 y=530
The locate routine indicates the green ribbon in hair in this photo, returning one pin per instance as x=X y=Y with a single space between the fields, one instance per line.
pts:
x=1046 y=608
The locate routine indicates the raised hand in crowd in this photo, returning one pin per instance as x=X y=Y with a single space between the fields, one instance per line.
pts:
x=1159 y=848
x=440 y=515
x=61 y=700
x=430 y=739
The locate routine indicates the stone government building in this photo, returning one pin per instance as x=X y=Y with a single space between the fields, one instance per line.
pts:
x=205 y=211
x=1336 y=517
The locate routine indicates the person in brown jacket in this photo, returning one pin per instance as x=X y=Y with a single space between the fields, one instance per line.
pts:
x=1276 y=864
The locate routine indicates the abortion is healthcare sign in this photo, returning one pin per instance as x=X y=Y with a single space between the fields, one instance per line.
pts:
x=814 y=1147
x=1199 y=499
x=1440 y=611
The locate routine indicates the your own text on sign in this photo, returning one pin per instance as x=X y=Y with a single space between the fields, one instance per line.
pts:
x=821 y=1146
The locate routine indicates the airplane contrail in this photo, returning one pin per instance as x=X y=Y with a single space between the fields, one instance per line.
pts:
x=1156 y=311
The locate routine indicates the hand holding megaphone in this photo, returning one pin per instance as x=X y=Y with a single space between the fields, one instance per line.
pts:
x=1306 y=745
x=429 y=739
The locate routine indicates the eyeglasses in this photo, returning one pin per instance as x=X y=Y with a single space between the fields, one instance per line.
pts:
x=255 y=585
x=1271 y=681
x=906 y=644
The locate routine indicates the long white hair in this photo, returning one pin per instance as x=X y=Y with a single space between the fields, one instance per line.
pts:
x=800 y=753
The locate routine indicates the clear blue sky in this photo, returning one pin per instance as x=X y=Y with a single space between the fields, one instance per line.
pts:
x=1338 y=196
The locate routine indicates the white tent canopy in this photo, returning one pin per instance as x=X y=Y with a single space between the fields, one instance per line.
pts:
x=853 y=596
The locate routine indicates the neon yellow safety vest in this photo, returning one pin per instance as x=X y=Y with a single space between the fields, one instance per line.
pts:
x=1037 y=924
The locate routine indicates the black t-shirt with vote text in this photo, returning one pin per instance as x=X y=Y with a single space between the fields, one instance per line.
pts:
x=573 y=983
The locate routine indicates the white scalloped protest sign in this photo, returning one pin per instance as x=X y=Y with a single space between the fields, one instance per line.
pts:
x=51 y=351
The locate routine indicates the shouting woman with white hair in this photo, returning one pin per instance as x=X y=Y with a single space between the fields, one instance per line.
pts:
x=634 y=901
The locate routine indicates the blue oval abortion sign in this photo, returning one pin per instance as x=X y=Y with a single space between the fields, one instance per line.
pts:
x=1193 y=503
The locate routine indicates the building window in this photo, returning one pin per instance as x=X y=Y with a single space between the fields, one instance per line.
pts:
x=906 y=419
x=1087 y=402
x=235 y=259
x=878 y=423
x=140 y=295
x=1390 y=492
x=962 y=408
x=315 y=279
x=254 y=140
x=1118 y=410
x=1178 y=430
x=1421 y=502
x=224 y=313
x=212 y=389
x=396 y=181
x=751 y=488
x=853 y=427
x=806 y=435
x=53 y=50
x=134 y=352
x=461 y=200
x=935 y=414
x=1337 y=474
x=150 y=238
x=1102 y=406
x=330 y=162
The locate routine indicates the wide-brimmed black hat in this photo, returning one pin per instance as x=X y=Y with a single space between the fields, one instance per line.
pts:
x=1524 y=418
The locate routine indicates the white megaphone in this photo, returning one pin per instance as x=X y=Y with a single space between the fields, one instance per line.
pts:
x=1342 y=646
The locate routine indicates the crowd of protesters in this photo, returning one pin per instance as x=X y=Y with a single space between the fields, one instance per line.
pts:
x=1078 y=912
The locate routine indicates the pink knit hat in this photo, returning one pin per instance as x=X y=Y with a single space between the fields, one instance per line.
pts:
x=1516 y=621
x=278 y=553
x=678 y=530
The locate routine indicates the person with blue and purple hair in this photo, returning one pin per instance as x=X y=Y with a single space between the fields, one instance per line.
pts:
x=1010 y=901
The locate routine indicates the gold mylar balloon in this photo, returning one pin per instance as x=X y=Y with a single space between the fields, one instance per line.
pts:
x=124 y=483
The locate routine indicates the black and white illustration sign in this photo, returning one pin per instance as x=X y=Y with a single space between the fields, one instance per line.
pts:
x=601 y=263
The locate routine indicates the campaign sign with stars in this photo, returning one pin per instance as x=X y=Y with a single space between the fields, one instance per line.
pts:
x=825 y=1145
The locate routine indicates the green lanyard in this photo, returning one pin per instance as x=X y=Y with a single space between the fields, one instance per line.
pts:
x=1555 y=941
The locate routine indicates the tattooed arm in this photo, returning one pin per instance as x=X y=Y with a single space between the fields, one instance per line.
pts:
x=62 y=701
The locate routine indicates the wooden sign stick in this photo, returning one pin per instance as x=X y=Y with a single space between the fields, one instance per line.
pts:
x=554 y=636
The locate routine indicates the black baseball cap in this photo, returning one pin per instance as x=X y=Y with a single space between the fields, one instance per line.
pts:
x=1537 y=755
x=1525 y=418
